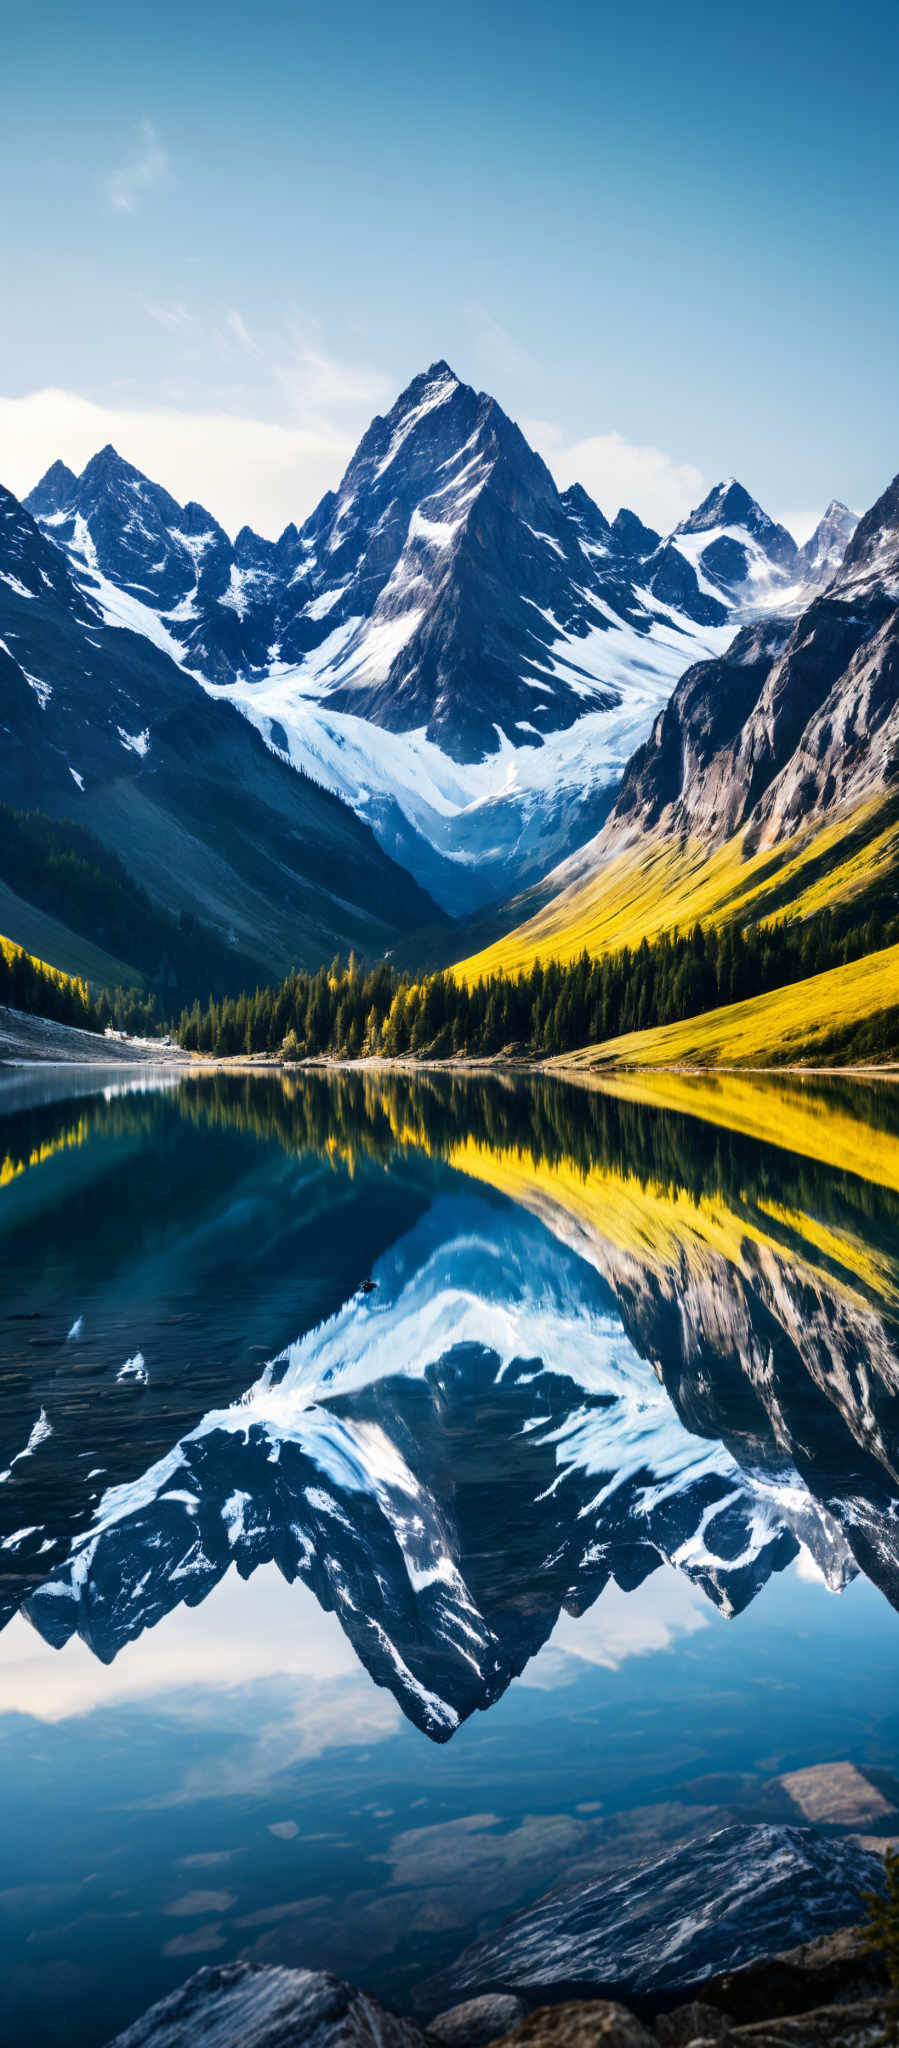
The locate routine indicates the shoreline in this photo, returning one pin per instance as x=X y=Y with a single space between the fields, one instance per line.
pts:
x=30 y=1043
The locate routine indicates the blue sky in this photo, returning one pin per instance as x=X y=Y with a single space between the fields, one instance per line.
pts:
x=664 y=237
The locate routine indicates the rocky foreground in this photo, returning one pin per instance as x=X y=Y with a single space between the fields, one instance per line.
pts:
x=829 y=1993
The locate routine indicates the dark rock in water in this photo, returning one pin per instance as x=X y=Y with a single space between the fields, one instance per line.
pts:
x=238 y=2005
x=707 y=1906
x=477 y=2020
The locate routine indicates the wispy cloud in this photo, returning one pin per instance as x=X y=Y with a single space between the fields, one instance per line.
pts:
x=618 y=472
x=236 y=327
x=175 y=318
x=318 y=385
x=264 y=443
x=240 y=465
x=146 y=165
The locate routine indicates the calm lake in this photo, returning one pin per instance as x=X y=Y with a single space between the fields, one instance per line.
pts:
x=418 y=1491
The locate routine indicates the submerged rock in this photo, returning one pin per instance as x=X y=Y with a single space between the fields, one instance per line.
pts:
x=708 y=1906
x=240 y=2005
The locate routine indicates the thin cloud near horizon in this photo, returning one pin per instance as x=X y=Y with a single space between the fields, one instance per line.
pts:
x=269 y=473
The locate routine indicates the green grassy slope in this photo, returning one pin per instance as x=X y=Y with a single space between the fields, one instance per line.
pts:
x=848 y=1014
x=662 y=884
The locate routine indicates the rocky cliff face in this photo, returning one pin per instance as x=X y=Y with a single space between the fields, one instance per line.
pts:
x=235 y=2003
x=821 y=555
x=796 y=720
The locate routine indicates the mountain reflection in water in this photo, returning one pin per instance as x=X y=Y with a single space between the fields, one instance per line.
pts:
x=605 y=1334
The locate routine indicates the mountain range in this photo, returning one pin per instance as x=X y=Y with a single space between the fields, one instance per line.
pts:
x=767 y=785
x=102 y=726
x=462 y=656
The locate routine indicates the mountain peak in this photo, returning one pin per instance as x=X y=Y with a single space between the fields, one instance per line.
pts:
x=727 y=504
x=873 y=551
x=54 y=492
x=592 y=524
x=108 y=463
x=437 y=382
x=824 y=550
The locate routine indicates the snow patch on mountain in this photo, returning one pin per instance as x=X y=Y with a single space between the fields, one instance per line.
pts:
x=471 y=813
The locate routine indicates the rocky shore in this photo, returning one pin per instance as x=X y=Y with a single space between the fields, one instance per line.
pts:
x=828 y=1993
x=26 y=1039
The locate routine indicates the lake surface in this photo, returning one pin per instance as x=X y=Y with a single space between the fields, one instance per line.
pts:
x=416 y=1492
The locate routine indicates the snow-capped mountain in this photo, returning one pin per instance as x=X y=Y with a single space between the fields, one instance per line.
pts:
x=823 y=552
x=466 y=655
x=797 y=718
x=740 y=555
x=102 y=725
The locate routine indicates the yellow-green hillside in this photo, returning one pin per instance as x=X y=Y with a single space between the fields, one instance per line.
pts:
x=662 y=885
x=840 y=1014
x=27 y=983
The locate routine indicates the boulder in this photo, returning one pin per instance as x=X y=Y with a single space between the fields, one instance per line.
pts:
x=598 y=2023
x=836 y=1969
x=667 y=1926
x=240 y=2005
x=477 y=2020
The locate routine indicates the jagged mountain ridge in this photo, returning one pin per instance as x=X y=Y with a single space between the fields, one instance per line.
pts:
x=464 y=653
x=735 y=547
x=822 y=554
x=103 y=726
x=430 y=542
x=786 y=742
x=795 y=720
